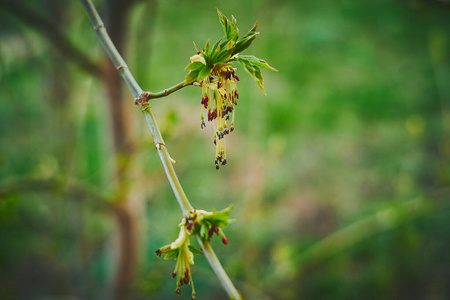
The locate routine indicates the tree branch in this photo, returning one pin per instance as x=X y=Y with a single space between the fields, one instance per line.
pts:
x=169 y=91
x=158 y=140
x=51 y=31
x=74 y=188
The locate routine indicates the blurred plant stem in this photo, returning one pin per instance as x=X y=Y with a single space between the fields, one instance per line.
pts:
x=383 y=220
x=163 y=153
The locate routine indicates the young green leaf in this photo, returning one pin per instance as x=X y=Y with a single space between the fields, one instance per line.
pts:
x=256 y=61
x=254 y=71
x=195 y=250
x=246 y=40
x=194 y=66
x=229 y=28
x=192 y=76
x=205 y=71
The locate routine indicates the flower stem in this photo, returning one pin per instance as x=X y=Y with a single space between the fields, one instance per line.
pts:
x=218 y=269
x=164 y=156
x=170 y=90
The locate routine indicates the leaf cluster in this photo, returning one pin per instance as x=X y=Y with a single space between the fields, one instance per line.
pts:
x=211 y=222
x=227 y=50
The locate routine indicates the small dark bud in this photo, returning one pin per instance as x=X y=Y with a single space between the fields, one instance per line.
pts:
x=173 y=274
x=227 y=117
x=181 y=282
x=225 y=240
x=215 y=143
x=236 y=77
x=237 y=94
x=210 y=233
x=158 y=252
x=186 y=274
x=178 y=291
x=198 y=52
x=224 y=162
x=189 y=226
x=217 y=167
x=231 y=128
x=216 y=230
x=186 y=280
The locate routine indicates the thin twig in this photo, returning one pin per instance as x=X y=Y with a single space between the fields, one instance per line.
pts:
x=170 y=90
x=158 y=140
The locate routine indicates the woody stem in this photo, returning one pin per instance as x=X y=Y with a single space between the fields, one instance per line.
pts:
x=164 y=156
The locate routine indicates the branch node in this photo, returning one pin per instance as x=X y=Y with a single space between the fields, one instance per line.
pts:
x=99 y=26
x=121 y=67
x=143 y=98
x=165 y=92
x=159 y=145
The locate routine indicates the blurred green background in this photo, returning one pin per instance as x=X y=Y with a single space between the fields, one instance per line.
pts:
x=339 y=176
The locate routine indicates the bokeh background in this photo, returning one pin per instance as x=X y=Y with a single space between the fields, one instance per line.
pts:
x=339 y=176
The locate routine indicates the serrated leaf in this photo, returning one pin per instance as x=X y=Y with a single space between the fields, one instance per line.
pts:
x=207 y=47
x=257 y=61
x=194 y=66
x=205 y=71
x=192 y=76
x=255 y=72
x=246 y=40
x=244 y=43
x=172 y=253
x=222 y=56
x=195 y=250
x=229 y=28
x=220 y=218
x=216 y=45
x=234 y=30
x=223 y=20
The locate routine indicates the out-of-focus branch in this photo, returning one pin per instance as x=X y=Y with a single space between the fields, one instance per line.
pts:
x=73 y=188
x=51 y=31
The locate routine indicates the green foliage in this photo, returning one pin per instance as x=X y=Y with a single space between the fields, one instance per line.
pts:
x=227 y=49
x=356 y=123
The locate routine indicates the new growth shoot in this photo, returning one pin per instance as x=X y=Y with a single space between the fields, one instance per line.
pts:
x=212 y=69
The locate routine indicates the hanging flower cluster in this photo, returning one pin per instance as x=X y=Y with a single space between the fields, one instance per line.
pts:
x=211 y=68
x=197 y=222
